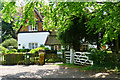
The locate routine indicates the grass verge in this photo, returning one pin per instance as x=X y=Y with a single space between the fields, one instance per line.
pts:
x=70 y=65
x=84 y=68
x=94 y=68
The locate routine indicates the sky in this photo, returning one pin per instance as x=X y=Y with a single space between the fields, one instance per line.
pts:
x=23 y=2
x=46 y=1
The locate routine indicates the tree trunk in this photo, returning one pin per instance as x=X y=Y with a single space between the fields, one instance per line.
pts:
x=98 y=45
x=117 y=46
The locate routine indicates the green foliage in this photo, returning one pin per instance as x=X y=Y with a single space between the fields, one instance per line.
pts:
x=14 y=50
x=70 y=65
x=52 y=58
x=94 y=68
x=32 y=62
x=58 y=16
x=33 y=51
x=7 y=31
x=22 y=62
x=10 y=42
x=3 y=49
x=42 y=46
x=23 y=50
x=50 y=52
x=11 y=10
x=105 y=18
x=75 y=32
x=12 y=59
x=3 y=62
x=102 y=58
x=46 y=48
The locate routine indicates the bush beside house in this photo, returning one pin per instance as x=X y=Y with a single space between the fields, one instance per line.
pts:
x=10 y=43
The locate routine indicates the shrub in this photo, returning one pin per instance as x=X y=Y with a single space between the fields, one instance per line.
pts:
x=21 y=62
x=50 y=52
x=46 y=48
x=13 y=58
x=103 y=58
x=10 y=42
x=53 y=58
x=3 y=62
x=13 y=50
x=42 y=46
x=33 y=51
x=97 y=56
x=24 y=50
x=3 y=49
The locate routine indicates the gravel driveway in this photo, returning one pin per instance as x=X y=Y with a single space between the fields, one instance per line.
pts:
x=48 y=71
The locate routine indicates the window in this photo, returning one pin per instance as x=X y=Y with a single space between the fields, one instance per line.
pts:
x=33 y=45
x=31 y=28
x=55 y=47
x=52 y=47
x=85 y=47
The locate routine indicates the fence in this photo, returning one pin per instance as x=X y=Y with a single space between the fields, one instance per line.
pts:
x=79 y=58
x=67 y=55
x=11 y=59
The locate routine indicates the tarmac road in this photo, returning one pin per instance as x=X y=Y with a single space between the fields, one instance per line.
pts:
x=48 y=71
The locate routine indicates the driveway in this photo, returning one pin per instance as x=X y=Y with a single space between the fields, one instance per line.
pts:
x=50 y=70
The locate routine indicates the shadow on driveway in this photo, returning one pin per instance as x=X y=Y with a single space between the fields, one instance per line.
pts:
x=61 y=72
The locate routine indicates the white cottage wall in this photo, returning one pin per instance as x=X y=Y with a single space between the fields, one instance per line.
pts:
x=25 y=38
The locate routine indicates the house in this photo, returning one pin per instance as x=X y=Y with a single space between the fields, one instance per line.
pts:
x=53 y=42
x=33 y=37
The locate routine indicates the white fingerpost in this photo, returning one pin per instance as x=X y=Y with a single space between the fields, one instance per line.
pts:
x=71 y=56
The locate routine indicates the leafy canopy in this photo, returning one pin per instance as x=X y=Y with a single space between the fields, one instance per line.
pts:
x=103 y=15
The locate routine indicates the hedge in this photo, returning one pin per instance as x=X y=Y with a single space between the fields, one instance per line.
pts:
x=12 y=59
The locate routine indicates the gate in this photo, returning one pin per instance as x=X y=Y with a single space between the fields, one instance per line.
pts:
x=82 y=58
x=79 y=58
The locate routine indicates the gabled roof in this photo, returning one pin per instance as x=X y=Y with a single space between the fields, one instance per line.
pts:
x=39 y=15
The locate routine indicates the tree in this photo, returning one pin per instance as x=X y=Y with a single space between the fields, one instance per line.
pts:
x=6 y=28
x=107 y=17
x=76 y=32
x=7 y=31
x=11 y=13
x=103 y=18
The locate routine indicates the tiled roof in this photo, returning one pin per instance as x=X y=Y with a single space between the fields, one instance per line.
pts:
x=52 y=39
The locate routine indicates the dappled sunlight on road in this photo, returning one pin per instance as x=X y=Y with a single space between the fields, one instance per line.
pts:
x=49 y=71
x=102 y=75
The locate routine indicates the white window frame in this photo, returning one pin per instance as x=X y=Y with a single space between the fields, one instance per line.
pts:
x=31 y=28
x=33 y=45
